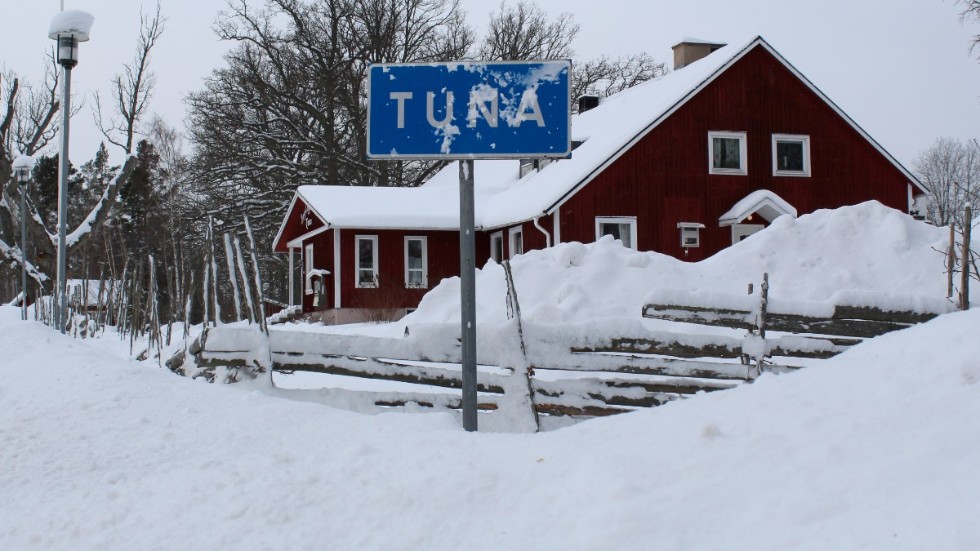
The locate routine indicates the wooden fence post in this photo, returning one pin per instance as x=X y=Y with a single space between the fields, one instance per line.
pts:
x=760 y=357
x=965 y=274
x=515 y=306
x=950 y=260
x=232 y=278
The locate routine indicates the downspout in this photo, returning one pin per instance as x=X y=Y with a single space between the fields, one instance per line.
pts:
x=547 y=236
x=336 y=268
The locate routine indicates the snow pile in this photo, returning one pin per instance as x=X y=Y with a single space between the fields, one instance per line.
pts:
x=103 y=453
x=863 y=254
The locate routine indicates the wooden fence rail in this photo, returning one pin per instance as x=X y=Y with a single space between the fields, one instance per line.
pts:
x=577 y=371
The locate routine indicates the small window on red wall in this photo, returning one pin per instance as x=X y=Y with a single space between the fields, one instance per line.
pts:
x=727 y=153
x=366 y=254
x=790 y=155
x=416 y=263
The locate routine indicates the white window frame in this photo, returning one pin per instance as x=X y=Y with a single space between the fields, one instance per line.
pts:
x=511 y=233
x=743 y=156
x=424 y=284
x=308 y=267
x=805 y=139
x=357 y=261
x=498 y=236
x=618 y=220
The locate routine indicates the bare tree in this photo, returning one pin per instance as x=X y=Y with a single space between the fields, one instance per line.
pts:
x=971 y=12
x=289 y=106
x=523 y=31
x=950 y=170
x=28 y=124
x=606 y=76
x=133 y=88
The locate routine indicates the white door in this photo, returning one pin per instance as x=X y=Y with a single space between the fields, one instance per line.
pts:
x=741 y=231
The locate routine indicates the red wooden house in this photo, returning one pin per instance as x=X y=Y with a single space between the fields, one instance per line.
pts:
x=684 y=165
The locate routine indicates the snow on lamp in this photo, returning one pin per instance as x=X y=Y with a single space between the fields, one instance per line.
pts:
x=69 y=28
x=22 y=169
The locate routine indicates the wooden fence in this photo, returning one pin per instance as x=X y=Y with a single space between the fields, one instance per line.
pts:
x=536 y=373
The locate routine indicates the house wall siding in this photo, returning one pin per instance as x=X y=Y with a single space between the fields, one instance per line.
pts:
x=664 y=178
x=443 y=261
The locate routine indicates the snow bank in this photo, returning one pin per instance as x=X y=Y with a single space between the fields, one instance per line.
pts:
x=876 y=449
x=866 y=254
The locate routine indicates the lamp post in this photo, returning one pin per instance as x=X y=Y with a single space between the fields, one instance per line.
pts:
x=68 y=28
x=23 y=166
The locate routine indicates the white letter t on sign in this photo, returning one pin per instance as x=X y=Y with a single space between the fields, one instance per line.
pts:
x=400 y=97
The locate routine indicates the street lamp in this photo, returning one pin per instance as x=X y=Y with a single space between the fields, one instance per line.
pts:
x=23 y=166
x=68 y=28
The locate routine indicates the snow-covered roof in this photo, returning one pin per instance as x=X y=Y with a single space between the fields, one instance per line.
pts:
x=769 y=206
x=503 y=198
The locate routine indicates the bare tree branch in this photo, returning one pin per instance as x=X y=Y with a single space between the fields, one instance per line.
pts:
x=133 y=88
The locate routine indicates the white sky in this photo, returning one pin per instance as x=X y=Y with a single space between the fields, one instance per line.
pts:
x=900 y=68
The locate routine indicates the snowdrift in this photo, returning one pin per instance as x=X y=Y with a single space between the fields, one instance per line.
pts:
x=866 y=253
x=874 y=450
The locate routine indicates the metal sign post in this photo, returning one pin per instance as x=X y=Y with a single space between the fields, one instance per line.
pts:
x=466 y=111
x=467 y=276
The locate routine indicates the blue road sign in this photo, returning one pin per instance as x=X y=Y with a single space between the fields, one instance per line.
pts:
x=469 y=110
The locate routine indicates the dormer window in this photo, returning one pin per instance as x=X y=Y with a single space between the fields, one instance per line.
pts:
x=529 y=165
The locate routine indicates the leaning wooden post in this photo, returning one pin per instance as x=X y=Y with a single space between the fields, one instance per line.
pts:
x=260 y=295
x=230 y=260
x=760 y=357
x=259 y=292
x=514 y=306
x=950 y=260
x=965 y=256
x=253 y=315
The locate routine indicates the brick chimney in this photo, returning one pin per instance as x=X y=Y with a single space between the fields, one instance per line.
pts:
x=689 y=50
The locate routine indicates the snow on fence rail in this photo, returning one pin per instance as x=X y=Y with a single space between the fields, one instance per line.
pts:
x=430 y=356
x=533 y=371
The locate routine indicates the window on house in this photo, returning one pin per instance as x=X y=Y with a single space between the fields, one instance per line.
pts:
x=366 y=254
x=622 y=228
x=516 y=241
x=790 y=155
x=497 y=247
x=416 y=263
x=727 y=153
x=308 y=267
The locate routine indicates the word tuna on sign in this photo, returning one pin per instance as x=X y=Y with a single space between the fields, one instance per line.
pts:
x=484 y=102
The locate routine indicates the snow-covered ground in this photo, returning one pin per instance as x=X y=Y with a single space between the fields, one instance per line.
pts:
x=877 y=449
x=874 y=449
